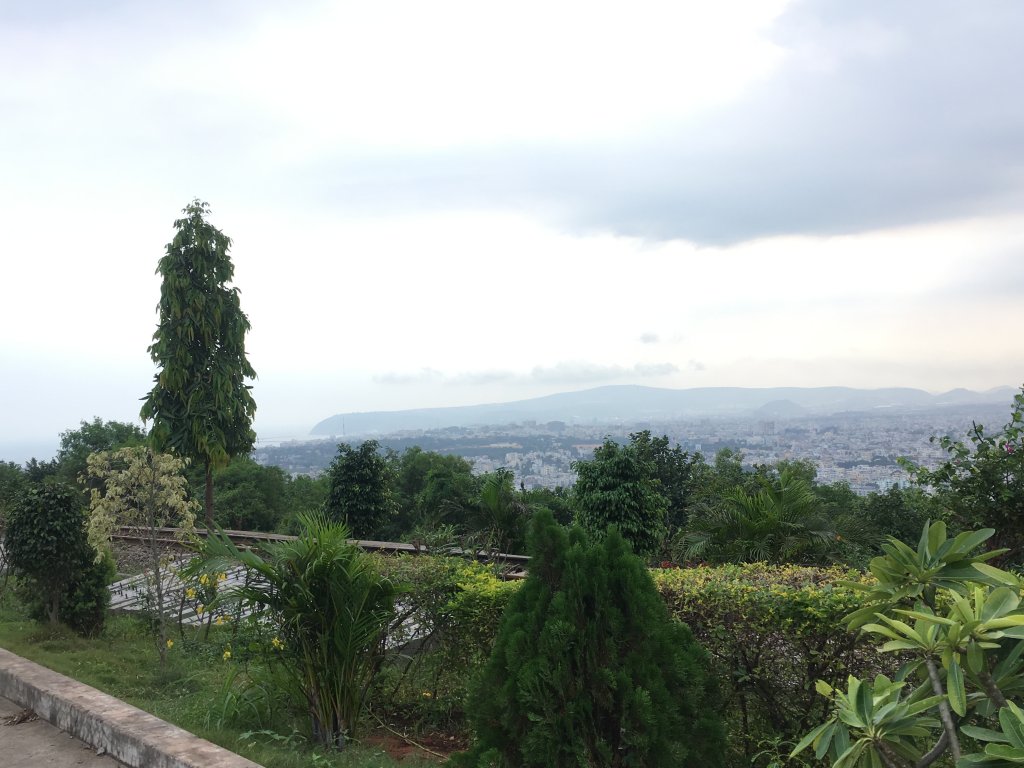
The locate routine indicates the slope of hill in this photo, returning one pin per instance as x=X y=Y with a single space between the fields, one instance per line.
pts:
x=628 y=403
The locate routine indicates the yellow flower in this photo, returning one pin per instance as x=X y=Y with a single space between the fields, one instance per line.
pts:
x=200 y=608
x=220 y=620
x=204 y=580
x=190 y=593
x=428 y=695
x=227 y=654
x=277 y=643
x=170 y=643
x=222 y=577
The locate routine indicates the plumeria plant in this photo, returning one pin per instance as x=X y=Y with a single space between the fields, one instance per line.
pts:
x=959 y=622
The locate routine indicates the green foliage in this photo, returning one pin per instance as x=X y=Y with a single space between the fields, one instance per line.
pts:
x=981 y=484
x=771 y=632
x=618 y=487
x=675 y=470
x=588 y=668
x=91 y=437
x=85 y=603
x=503 y=513
x=359 y=493
x=453 y=608
x=247 y=496
x=899 y=512
x=783 y=522
x=330 y=608
x=958 y=621
x=147 y=491
x=200 y=405
x=433 y=489
x=13 y=482
x=47 y=548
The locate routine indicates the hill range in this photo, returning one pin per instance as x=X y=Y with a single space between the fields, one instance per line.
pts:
x=630 y=403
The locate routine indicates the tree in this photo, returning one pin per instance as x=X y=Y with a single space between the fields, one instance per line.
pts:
x=675 y=469
x=982 y=482
x=360 y=489
x=200 y=404
x=588 y=668
x=148 y=491
x=246 y=496
x=90 y=437
x=47 y=547
x=618 y=487
x=431 y=489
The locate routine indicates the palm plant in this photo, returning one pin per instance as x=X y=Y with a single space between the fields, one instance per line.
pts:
x=503 y=514
x=783 y=522
x=330 y=608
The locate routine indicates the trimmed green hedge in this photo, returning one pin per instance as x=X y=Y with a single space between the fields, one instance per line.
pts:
x=772 y=631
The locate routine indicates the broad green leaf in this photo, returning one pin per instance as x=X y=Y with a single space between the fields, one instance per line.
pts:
x=984 y=734
x=936 y=535
x=975 y=658
x=955 y=688
x=998 y=603
x=810 y=737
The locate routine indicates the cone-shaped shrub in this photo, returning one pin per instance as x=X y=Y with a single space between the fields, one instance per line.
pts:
x=589 y=669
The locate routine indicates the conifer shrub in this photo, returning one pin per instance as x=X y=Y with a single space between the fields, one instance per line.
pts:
x=588 y=668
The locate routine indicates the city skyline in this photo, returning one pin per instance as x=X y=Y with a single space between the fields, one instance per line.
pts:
x=452 y=205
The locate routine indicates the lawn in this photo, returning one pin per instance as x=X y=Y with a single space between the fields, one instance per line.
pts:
x=233 y=699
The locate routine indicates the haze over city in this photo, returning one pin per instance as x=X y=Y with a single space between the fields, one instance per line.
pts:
x=454 y=203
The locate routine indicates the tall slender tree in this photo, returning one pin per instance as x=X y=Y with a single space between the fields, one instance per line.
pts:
x=200 y=405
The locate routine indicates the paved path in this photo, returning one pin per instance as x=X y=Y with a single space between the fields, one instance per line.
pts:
x=37 y=743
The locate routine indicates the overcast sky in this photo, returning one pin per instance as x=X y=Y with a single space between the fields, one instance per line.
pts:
x=460 y=202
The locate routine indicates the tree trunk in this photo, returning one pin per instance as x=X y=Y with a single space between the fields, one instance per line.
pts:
x=208 y=499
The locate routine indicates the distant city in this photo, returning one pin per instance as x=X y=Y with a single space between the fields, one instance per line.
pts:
x=859 y=448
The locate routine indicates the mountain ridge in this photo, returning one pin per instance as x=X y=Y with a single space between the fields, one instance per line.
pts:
x=629 y=402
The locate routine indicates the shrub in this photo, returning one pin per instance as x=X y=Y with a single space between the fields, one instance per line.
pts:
x=330 y=608
x=48 y=550
x=449 y=611
x=772 y=631
x=589 y=669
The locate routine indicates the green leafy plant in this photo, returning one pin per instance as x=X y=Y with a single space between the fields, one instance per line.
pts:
x=48 y=549
x=956 y=618
x=145 y=490
x=330 y=609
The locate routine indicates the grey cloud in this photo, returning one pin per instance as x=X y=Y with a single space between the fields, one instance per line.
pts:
x=915 y=118
x=696 y=365
x=649 y=338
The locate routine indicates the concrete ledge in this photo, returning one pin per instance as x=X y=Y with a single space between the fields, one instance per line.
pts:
x=135 y=738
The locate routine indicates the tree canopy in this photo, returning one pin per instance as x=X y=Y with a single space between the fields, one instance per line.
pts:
x=201 y=406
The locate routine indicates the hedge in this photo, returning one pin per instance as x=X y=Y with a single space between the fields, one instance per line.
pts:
x=771 y=630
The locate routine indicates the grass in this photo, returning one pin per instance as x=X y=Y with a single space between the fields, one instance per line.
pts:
x=242 y=706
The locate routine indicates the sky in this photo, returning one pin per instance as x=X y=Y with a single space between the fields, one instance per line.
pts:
x=460 y=202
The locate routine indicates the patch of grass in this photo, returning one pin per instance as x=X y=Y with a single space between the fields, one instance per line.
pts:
x=242 y=706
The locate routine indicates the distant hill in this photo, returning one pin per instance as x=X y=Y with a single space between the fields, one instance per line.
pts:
x=628 y=403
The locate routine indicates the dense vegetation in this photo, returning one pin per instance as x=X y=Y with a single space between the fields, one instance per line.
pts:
x=763 y=564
